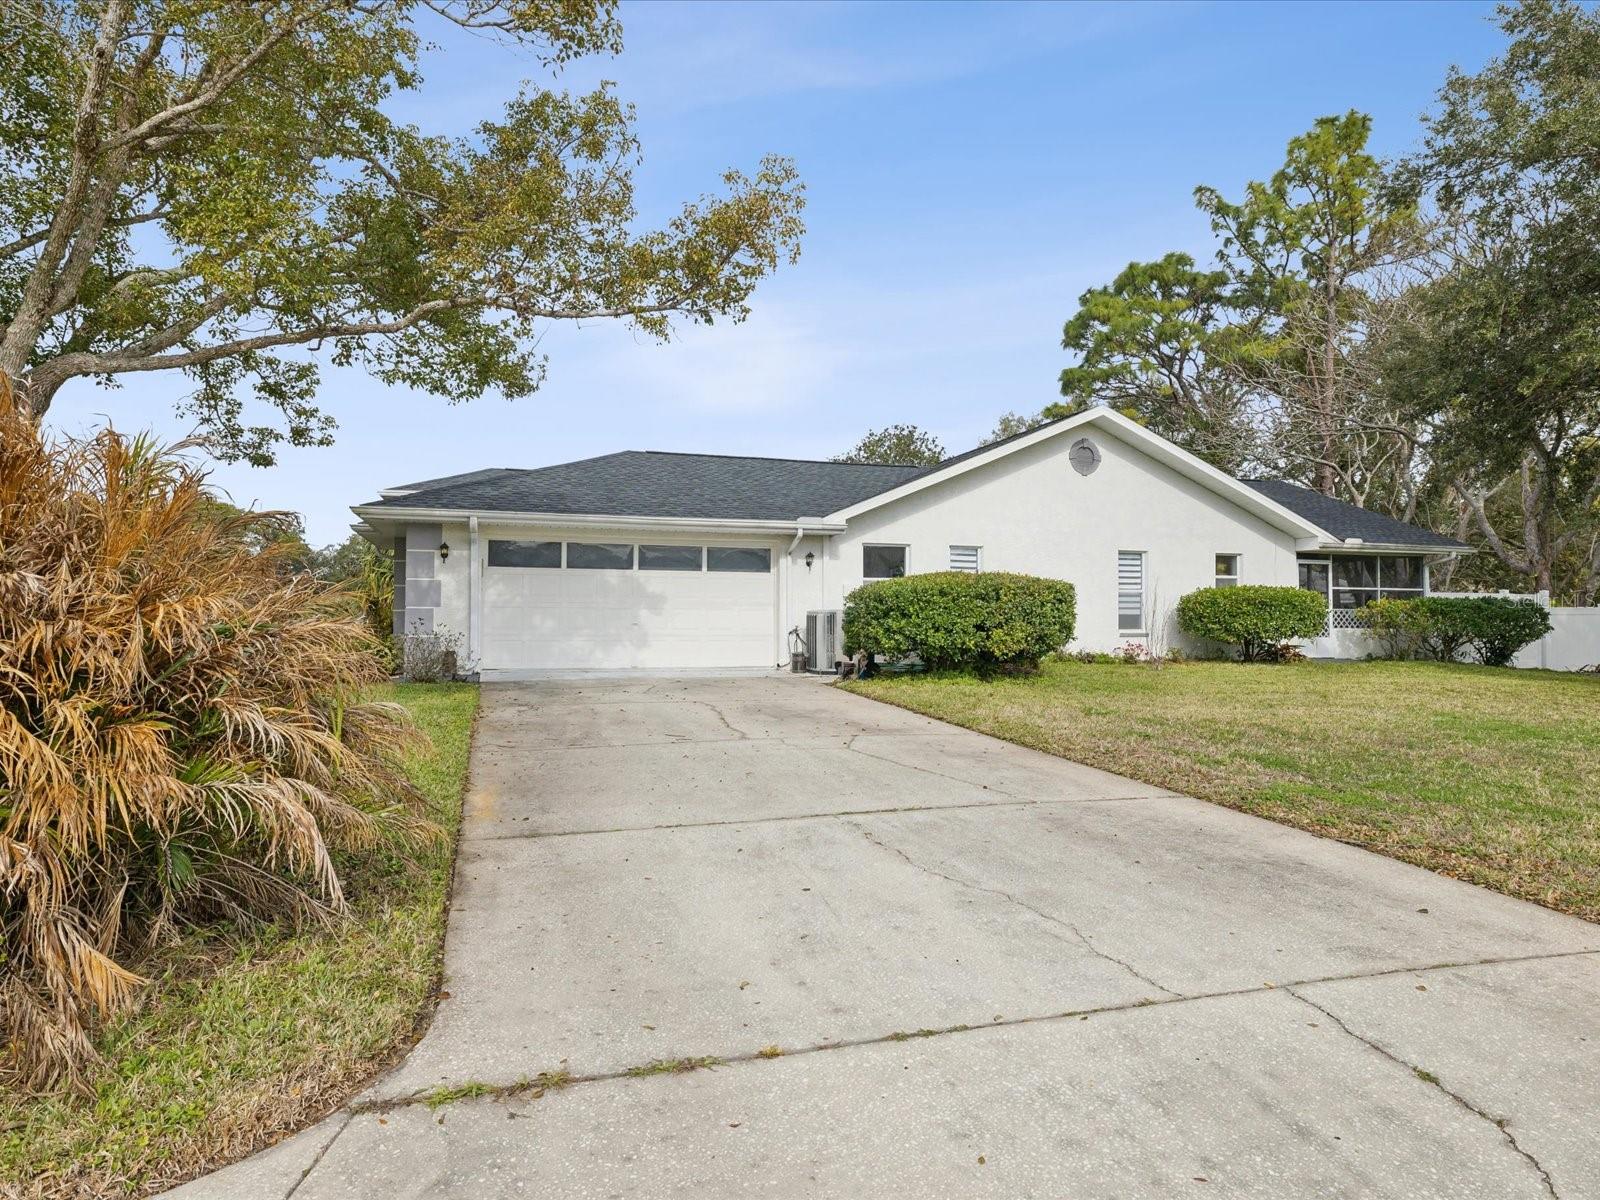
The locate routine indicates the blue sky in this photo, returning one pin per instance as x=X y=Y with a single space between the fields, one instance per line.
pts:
x=970 y=168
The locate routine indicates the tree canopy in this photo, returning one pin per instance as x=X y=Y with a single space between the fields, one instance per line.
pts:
x=1504 y=358
x=215 y=188
x=1145 y=344
x=897 y=445
x=1420 y=337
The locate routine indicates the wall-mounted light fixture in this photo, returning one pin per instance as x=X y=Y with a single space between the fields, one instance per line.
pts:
x=810 y=558
x=444 y=551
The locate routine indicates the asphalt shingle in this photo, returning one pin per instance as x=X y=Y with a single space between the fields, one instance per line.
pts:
x=1347 y=520
x=656 y=483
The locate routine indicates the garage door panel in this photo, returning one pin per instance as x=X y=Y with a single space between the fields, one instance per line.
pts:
x=551 y=619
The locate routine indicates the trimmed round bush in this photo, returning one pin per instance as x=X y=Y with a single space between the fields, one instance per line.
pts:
x=989 y=620
x=1252 y=617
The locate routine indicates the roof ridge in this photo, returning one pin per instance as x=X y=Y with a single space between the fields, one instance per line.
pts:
x=820 y=462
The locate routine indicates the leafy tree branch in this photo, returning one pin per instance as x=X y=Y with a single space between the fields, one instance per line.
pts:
x=291 y=215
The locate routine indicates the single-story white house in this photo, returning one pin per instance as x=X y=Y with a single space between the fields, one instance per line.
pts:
x=649 y=560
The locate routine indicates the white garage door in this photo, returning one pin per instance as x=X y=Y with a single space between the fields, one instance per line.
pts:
x=570 y=605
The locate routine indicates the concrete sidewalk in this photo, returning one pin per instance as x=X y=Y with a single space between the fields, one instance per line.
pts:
x=915 y=961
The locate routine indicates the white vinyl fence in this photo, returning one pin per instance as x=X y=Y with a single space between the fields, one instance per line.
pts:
x=1573 y=643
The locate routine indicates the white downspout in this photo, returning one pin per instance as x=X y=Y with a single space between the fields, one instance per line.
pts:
x=474 y=597
x=786 y=620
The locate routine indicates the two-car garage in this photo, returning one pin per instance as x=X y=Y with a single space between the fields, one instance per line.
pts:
x=602 y=604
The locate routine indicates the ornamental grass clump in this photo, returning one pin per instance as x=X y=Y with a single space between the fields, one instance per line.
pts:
x=182 y=735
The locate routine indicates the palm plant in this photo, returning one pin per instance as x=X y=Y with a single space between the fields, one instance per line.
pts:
x=183 y=737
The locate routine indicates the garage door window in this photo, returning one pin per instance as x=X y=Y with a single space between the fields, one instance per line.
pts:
x=524 y=554
x=669 y=558
x=755 y=559
x=599 y=556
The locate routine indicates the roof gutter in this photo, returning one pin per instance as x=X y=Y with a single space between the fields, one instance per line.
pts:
x=386 y=512
x=805 y=525
x=1365 y=547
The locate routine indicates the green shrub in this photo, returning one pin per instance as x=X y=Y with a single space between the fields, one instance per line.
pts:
x=1253 y=617
x=1440 y=627
x=1500 y=626
x=1444 y=625
x=986 y=621
x=1399 y=625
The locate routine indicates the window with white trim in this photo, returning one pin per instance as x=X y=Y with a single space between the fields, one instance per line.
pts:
x=1130 y=591
x=883 y=562
x=1227 y=570
x=966 y=558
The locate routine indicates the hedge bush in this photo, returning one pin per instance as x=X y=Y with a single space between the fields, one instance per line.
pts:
x=1501 y=626
x=1253 y=617
x=1494 y=628
x=990 y=620
x=1430 y=627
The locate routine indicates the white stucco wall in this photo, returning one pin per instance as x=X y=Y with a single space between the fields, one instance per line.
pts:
x=806 y=588
x=1031 y=512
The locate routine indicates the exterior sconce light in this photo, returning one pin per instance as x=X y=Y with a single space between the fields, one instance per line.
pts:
x=810 y=558
x=444 y=551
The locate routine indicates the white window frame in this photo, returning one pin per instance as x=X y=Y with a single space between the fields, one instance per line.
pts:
x=1144 y=592
x=865 y=546
x=1238 y=568
x=977 y=557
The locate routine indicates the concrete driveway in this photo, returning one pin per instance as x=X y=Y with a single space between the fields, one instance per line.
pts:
x=918 y=962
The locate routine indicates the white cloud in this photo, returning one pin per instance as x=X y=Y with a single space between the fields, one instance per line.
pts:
x=774 y=360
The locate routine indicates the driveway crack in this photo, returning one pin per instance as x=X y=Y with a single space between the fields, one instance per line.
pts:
x=1078 y=935
x=854 y=749
x=723 y=717
x=1428 y=1077
x=317 y=1160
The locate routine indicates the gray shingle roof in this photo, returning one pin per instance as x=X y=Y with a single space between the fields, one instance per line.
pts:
x=655 y=483
x=425 y=484
x=1347 y=520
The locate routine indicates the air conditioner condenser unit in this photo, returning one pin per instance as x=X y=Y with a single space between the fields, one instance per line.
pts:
x=823 y=645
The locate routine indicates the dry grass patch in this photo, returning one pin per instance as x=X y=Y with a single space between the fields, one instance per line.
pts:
x=1489 y=775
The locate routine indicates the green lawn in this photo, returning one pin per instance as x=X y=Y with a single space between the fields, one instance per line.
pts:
x=1490 y=775
x=244 y=1039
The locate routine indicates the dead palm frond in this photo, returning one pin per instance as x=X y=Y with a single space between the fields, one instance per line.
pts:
x=182 y=734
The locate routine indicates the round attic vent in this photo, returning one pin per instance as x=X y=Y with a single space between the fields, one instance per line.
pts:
x=1084 y=456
